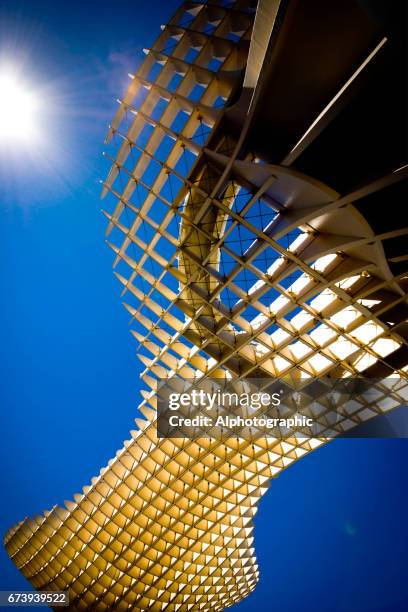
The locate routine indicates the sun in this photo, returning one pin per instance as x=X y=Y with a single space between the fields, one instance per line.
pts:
x=18 y=110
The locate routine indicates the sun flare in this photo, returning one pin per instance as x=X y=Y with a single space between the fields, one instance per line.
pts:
x=18 y=111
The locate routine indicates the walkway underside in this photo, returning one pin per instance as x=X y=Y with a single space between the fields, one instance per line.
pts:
x=257 y=233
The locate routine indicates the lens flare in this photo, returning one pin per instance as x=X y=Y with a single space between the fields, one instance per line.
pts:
x=18 y=111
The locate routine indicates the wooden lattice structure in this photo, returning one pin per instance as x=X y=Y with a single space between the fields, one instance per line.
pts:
x=235 y=262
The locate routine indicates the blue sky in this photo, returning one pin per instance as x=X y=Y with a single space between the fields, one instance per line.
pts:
x=331 y=533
